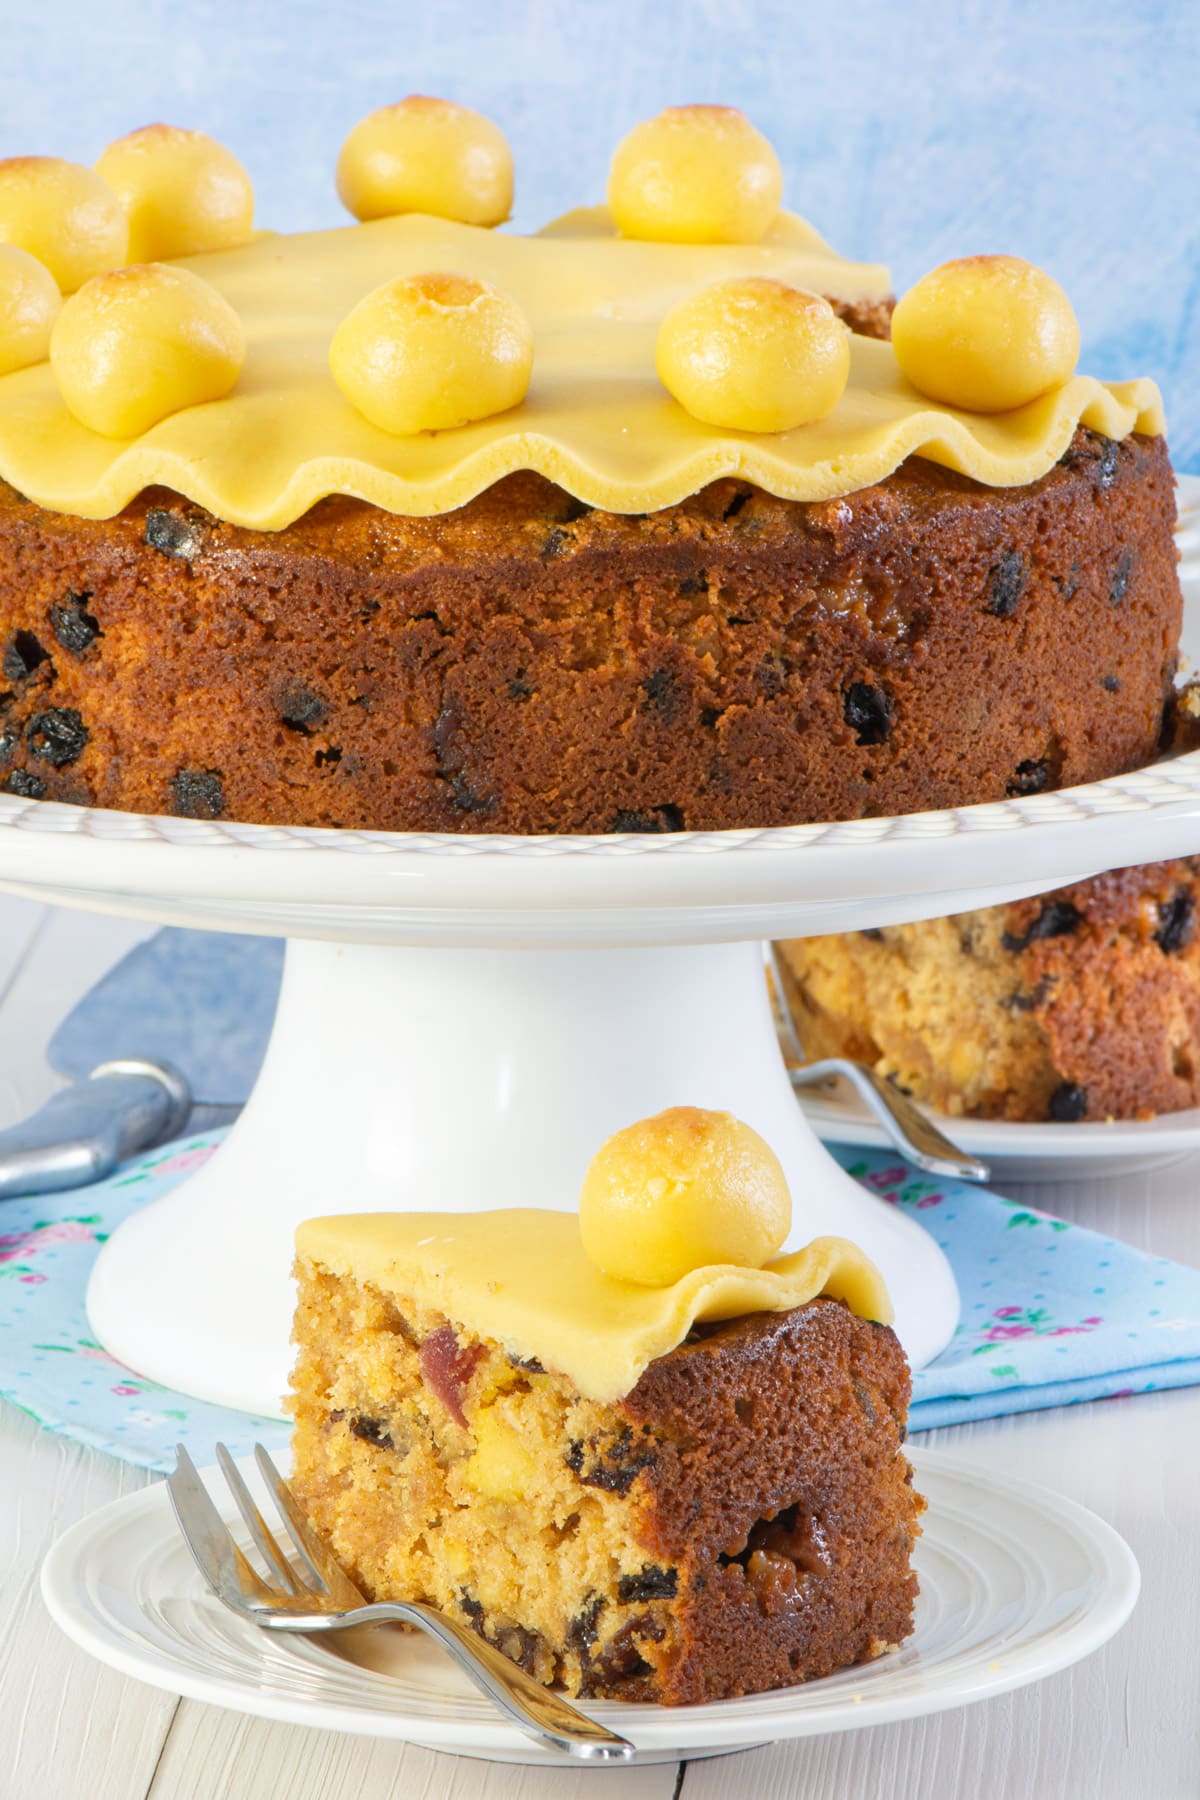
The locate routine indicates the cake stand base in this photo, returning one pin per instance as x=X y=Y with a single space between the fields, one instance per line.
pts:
x=434 y=1080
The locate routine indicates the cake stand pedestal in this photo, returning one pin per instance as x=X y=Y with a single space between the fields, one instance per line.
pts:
x=463 y=1020
x=457 y=1080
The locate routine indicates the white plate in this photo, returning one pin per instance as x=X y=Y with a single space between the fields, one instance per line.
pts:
x=1016 y=1583
x=1020 y=1152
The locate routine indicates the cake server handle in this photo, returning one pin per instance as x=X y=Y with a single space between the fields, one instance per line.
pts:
x=86 y=1129
x=914 y=1134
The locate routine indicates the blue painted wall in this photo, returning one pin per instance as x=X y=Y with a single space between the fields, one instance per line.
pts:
x=1065 y=130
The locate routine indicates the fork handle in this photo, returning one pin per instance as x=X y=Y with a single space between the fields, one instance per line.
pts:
x=538 y=1710
x=913 y=1133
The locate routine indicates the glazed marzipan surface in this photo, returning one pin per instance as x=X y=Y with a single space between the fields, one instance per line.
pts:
x=596 y=420
x=521 y=1277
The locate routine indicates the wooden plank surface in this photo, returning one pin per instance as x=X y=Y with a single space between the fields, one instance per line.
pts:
x=20 y=922
x=69 y=1727
x=214 y=1756
x=1122 y=1725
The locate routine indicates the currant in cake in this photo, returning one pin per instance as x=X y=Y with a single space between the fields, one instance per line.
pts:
x=672 y=1491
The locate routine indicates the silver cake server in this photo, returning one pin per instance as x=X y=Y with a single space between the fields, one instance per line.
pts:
x=170 y=1041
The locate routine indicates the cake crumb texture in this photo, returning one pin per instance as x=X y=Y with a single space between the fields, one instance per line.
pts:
x=527 y=664
x=1079 y=1004
x=742 y=1520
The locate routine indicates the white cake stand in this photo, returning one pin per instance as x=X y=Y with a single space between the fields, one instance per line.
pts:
x=464 y=1019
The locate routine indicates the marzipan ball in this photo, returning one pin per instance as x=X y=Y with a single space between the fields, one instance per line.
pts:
x=427 y=156
x=426 y=352
x=680 y=1191
x=754 y=355
x=64 y=215
x=29 y=305
x=143 y=342
x=695 y=175
x=986 y=333
x=182 y=192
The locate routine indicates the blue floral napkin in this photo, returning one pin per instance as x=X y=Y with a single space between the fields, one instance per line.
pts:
x=50 y=1364
x=1051 y=1313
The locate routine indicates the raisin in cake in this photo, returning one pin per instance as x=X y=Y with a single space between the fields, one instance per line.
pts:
x=631 y=1492
x=1080 y=1004
x=529 y=664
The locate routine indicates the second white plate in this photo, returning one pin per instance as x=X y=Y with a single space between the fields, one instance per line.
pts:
x=1016 y=1583
x=1016 y=1152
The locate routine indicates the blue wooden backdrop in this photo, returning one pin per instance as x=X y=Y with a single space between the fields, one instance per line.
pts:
x=1064 y=130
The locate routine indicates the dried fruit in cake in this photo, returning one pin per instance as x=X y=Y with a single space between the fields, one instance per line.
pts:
x=133 y=346
x=695 y=175
x=427 y=156
x=29 y=305
x=986 y=333
x=428 y=352
x=681 y=1190
x=63 y=214
x=57 y=736
x=754 y=355
x=182 y=192
x=454 y=714
x=1080 y=1004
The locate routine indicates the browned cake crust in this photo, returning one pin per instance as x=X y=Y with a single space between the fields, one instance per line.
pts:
x=742 y=1520
x=526 y=664
x=778 y=1492
x=1080 y=1004
x=870 y=318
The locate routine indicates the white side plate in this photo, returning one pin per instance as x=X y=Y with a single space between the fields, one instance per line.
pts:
x=1016 y=1583
x=1021 y=1152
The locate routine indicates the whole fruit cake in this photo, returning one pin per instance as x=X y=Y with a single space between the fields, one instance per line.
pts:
x=1080 y=1004
x=639 y=524
x=670 y=1473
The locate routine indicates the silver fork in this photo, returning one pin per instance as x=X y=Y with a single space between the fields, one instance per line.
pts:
x=914 y=1134
x=320 y=1596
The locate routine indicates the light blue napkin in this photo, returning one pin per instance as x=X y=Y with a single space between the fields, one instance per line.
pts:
x=1051 y=1313
x=50 y=1364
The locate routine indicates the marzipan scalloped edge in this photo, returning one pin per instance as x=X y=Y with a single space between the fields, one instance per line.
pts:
x=596 y=420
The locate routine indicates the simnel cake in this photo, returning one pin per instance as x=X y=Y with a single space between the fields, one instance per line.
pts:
x=1081 y=1004
x=676 y=1484
x=641 y=523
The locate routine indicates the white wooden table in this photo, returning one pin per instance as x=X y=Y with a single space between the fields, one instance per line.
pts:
x=1121 y=1726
